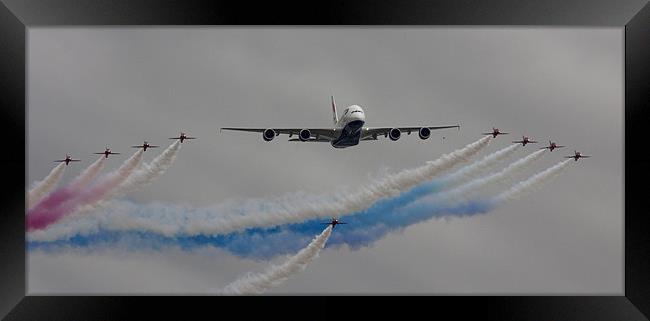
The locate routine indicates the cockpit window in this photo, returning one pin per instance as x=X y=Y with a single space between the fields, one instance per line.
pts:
x=356 y=111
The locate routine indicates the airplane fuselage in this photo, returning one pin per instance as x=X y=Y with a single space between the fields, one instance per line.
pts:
x=67 y=160
x=349 y=127
x=335 y=222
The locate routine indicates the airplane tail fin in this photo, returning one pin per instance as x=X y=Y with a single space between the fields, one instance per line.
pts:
x=335 y=117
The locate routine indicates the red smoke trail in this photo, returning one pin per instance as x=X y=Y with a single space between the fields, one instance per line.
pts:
x=63 y=201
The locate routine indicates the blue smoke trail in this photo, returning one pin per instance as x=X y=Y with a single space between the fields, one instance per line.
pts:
x=364 y=228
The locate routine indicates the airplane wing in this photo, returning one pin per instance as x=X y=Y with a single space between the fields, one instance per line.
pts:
x=319 y=140
x=75 y=160
x=570 y=156
x=113 y=153
x=372 y=132
x=138 y=146
x=559 y=146
x=317 y=132
x=59 y=161
x=99 y=153
x=175 y=138
x=153 y=146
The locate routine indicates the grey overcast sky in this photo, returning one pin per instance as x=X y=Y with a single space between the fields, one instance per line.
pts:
x=91 y=87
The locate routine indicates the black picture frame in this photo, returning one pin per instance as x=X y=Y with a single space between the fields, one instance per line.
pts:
x=632 y=16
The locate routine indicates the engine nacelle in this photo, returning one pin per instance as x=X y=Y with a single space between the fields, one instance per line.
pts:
x=268 y=134
x=394 y=134
x=424 y=133
x=304 y=135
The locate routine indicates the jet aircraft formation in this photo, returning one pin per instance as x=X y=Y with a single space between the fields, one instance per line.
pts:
x=107 y=151
x=347 y=131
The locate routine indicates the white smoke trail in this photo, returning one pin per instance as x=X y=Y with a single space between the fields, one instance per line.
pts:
x=97 y=194
x=532 y=183
x=114 y=179
x=64 y=202
x=149 y=172
x=141 y=177
x=45 y=186
x=88 y=174
x=294 y=208
x=487 y=163
x=465 y=191
x=409 y=178
x=277 y=274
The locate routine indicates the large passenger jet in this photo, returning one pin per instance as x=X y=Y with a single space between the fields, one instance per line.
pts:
x=347 y=131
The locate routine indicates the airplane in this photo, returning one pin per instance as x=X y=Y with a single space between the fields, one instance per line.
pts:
x=182 y=137
x=576 y=156
x=67 y=160
x=525 y=140
x=346 y=131
x=495 y=132
x=145 y=146
x=334 y=222
x=551 y=146
x=107 y=152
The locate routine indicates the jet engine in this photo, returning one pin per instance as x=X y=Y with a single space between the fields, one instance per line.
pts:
x=394 y=134
x=268 y=134
x=304 y=135
x=424 y=133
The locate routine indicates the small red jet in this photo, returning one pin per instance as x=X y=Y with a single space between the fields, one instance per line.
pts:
x=551 y=146
x=182 y=137
x=145 y=146
x=334 y=222
x=107 y=152
x=576 y=156
x=495 y=132
x=67 y=160
x=525 y=140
